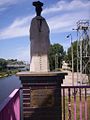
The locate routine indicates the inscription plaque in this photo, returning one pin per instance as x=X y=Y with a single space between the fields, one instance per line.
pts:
x=42 y=98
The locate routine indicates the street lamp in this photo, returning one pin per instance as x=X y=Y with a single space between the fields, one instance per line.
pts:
x=72 y=58
x=56 y=61
x=77 y=56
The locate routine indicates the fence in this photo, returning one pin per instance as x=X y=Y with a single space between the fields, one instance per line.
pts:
x=10 y=109
x=75 y=102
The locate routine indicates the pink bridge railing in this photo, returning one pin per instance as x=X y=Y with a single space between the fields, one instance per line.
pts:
x=10 y=108
x=75 y=102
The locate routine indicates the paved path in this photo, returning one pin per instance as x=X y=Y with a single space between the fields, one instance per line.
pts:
x=68 y=79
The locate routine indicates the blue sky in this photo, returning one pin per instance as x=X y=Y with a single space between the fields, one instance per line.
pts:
x=15 y=19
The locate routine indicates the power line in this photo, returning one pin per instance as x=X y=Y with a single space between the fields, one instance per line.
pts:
x=83 y=47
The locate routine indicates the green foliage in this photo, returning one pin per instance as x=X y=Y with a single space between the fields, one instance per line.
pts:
x=69 y=55
x=77 y=107
x=3 y=64
x=14 y=61
x=56 y=49
x=84 y=59
x=4 y=71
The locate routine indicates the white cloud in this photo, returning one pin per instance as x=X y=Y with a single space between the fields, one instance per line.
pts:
x=2 y=9
x=14 y=32
x=67 y=6
x=23 y=53
x=57 y=23
x=66 y=22
x=20 y=22
x=7 y=2
x=19 y=28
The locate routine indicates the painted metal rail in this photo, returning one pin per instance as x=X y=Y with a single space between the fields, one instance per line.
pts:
x=10 y=108
x=75 y=102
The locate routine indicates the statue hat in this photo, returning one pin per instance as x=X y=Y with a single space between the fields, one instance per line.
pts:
x=37 y=4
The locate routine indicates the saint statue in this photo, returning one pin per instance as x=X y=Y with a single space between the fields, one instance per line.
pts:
x=39 y=41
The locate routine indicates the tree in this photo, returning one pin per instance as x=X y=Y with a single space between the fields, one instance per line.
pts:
x=56 y=50
x=3 y=64
x=14 y=61
x=85 y=59
x=69 y=55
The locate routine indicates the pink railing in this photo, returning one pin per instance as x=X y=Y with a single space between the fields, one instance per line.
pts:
x=10 y=108
x=75 y=102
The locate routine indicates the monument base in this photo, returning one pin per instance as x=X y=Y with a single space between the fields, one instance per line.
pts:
x=39 y=63
x=41 y=95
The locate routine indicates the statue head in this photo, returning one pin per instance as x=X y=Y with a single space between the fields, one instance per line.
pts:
x=38 y=7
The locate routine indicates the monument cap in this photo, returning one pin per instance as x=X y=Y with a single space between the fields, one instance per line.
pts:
x=37 y=4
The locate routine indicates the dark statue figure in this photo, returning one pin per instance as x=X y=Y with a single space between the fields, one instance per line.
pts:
x=40 y=43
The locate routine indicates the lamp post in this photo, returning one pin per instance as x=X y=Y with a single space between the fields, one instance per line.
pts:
x=77 y=56
x=56 y=61
x=72 y=58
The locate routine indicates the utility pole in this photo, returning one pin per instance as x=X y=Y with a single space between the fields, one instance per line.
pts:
x=72 y=59
x=81 y=60
x=77 y=55
x=77 y=59
x=83 y=52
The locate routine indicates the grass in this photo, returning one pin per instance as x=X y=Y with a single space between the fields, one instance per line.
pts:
x=3 y=74
x=77 y=108
x=7 y=73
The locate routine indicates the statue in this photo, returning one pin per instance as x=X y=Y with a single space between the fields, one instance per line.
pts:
x=40 y=43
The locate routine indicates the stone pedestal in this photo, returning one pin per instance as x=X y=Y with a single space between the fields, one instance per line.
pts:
x=39 y=64
x=41 y=95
